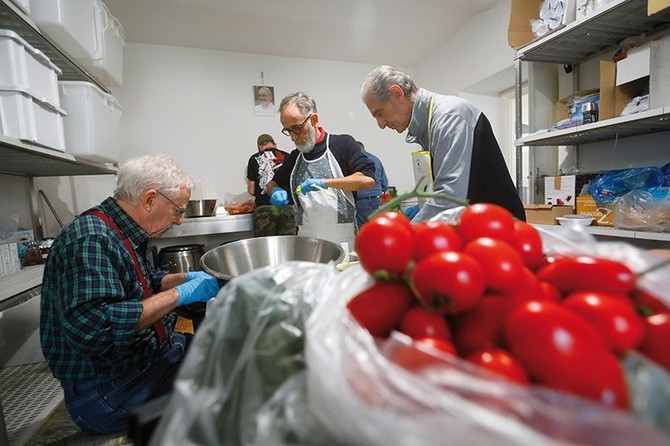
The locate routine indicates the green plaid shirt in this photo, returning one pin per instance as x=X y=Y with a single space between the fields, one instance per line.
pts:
x=91 y=299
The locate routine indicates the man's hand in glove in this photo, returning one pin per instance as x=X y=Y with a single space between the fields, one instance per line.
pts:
x=312 y=185
x=411 y=211
x=279 y=197
x=200 y=288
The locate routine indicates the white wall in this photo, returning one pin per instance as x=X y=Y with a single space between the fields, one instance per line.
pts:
x=196 y=105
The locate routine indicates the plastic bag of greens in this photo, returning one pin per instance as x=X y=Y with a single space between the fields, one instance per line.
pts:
x=361 y=395
x=242 y=381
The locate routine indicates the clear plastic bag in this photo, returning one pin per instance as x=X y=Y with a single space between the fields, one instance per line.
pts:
x=361 y=397
x=644 y=210
x=243 y=203
x=244 y=380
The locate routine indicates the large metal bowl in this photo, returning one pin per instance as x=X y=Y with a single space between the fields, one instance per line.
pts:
x=236 y=258
x=200 y=208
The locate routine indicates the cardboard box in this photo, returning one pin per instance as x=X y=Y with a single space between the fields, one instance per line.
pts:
x=545 y=214
x=603 y=215
x=519 y=32
x=560 y=190
x=614 y=98
x=654 y=6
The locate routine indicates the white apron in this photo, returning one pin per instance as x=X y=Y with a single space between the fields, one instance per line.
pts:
x=319 y=214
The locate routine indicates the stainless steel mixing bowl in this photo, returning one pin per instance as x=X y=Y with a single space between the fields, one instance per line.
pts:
x=236 y=258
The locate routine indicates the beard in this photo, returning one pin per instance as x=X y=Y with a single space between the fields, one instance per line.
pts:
x=309 y=143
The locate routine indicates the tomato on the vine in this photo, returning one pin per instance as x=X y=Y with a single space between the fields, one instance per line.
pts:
x=380 y=308
x=528 y=242
x=417 y=322
x=613 y=316
x=501 y=362
x=486 y=220
x=563 y=351
x=434 y=236
x=501 y=262
x=586 y=273
x=481 y=326
x=448 y=282
x=385 y=245
x=655 y=344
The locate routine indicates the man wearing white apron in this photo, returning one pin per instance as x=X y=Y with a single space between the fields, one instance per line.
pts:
x=322 y=174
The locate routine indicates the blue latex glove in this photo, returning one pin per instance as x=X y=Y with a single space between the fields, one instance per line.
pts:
x=199 y=289
x=411 y=211
x=279 y=197
x=195 y=274
x=309 y=183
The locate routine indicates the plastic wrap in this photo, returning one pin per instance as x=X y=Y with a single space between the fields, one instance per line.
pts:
x=278 y=361
x=361 y=397
x=243 y=203
x=611 y=185
x=644 y=210
x=242 y=381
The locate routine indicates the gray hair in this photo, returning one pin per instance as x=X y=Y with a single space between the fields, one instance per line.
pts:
x=306 y=104
x=379 y=81
x=158 y=172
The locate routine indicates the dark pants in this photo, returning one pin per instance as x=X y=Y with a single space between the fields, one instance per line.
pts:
x=101 y=406
x=366 y=206
x=274 y=220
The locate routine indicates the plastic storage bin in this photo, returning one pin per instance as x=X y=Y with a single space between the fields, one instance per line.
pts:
x=70 y=24
x=26 y=68
x=106 y=65
x=92 y=125
x=25 y=117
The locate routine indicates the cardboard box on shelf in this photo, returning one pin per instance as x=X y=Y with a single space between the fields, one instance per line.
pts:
x=634 y=66
x=545 y=214
x=654 y=6
x=519 y=32
x=603 y=215
x=560 y=190
x=614 y=98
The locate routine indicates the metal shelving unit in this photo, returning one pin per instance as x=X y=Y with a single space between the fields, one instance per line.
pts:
x=573 y=44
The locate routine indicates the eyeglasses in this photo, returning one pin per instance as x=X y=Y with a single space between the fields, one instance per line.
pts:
x=296 y=129
x=179 y=211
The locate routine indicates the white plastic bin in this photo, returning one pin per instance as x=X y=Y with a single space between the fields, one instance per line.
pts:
x=70 y=23
x=106 y=65
x=26 y=68
x=92 y=125
x=25 y=117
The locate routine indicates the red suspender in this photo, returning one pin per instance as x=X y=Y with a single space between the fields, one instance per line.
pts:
x=158 y=325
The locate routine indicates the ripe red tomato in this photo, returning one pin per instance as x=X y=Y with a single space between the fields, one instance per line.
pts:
x=424 y=353
x=613 y=316
x=380 y=308
x=501 y=362
x=563 y=351
x=448 y=282
x=656 y=345
x=527 y=288
x=528 y=242
x=486 y=220
x=418 y=322
x=385 y=246
x=434 y=236
x=549 y=292
x=501 y=262
x=647 y=304
x=586 y=273
x=481 y=326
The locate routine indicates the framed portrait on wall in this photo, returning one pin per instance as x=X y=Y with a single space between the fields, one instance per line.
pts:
x=264 y=101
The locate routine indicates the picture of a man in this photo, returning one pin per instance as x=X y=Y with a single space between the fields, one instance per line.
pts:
x=264 y=101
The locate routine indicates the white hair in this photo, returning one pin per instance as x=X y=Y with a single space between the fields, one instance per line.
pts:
x=158 y=172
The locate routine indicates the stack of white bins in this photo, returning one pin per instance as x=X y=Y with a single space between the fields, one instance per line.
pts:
x=92 y=123
x=86 y=31
x=29 y=99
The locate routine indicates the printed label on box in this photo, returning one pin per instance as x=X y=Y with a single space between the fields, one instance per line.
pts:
x=603 y=215
x=560 y=190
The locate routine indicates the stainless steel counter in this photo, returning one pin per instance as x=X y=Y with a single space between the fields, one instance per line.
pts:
x=218 y=224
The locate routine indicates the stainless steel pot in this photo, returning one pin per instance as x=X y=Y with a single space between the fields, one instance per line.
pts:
x=200 y=208
x=181 y=258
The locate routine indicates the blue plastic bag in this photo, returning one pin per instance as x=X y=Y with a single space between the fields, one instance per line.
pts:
x=606 y=188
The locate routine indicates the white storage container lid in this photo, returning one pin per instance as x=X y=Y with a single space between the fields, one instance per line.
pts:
x=25 y=67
